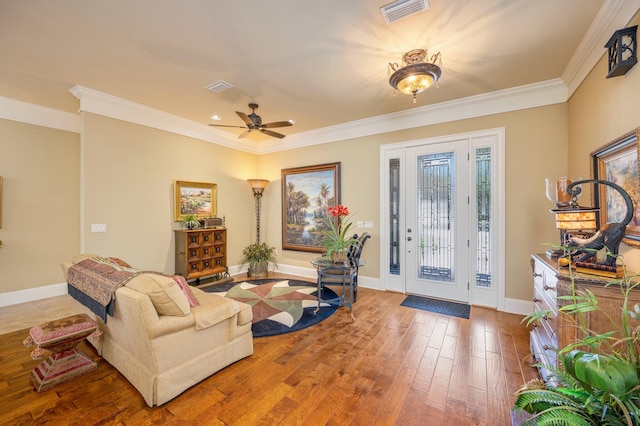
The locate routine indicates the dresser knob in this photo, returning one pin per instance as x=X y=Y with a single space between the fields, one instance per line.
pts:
x=546 y=287
x=536 y=275
x=545 y=317
x=536 y=300
x=546 y=347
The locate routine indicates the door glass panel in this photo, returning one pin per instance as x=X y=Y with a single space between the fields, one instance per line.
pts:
x=394 y=216
x=483 y=225
x=436 y=221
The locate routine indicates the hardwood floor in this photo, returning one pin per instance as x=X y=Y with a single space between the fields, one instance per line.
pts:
x=392 y=365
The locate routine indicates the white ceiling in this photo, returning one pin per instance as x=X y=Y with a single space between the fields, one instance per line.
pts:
x=320 y=63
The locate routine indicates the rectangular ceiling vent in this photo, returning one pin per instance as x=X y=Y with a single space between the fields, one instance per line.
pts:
x=401 y=9
x=219 y=86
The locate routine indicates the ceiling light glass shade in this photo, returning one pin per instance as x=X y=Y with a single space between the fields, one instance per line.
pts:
x=416 y=75
x=416 y=78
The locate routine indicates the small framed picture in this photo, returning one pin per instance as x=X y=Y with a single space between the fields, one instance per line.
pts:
x=194 y=198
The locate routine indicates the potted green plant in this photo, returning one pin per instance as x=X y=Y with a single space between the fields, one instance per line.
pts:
x=594 y=387
x=258 y=256
x=335 y=239
x=190 y=221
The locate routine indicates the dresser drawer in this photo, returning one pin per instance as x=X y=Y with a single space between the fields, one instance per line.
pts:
x=545 y=279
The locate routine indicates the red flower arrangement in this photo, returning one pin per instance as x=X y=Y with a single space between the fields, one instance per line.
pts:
x=335 y=237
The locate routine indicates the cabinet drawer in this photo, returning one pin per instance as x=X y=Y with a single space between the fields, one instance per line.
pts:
x=545 y=279
x=545 y=358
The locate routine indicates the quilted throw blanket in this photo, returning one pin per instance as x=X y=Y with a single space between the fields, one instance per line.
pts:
x=94 y=281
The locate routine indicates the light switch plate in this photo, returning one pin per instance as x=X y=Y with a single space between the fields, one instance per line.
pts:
x=98 y=227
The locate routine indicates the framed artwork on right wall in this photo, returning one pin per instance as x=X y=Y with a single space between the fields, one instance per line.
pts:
x=617 y=162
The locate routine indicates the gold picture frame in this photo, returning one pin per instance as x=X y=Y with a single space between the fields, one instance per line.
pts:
x=617 y=162
x=304 y=191
x=197 y=198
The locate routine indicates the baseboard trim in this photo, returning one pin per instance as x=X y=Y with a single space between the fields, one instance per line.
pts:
x=31 y=294
x=518 y=306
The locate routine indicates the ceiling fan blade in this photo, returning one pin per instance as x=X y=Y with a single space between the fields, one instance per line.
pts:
x=244 y=134
x=225 y=125
x=245 y=118
x=277 y=124
x=271 y=133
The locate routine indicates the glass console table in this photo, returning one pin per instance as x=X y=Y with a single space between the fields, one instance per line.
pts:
x=343 y=274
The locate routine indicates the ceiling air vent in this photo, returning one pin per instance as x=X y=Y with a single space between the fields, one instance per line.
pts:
x=219 y=86
x=401 y=9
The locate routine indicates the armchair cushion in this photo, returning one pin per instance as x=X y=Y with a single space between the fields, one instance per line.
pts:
x=165 y=294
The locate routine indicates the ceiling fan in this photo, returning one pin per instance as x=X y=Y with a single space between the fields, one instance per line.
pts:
x=254 y=122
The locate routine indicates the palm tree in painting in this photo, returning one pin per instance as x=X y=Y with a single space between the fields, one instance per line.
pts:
x=297 y=202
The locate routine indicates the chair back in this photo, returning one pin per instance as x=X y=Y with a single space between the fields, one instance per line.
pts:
x=355 y=251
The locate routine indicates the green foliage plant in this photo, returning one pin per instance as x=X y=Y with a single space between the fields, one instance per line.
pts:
x=256 y=253
x=597 y=381
x=190 y=221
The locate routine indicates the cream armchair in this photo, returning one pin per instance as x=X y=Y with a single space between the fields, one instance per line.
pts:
x=142 y=343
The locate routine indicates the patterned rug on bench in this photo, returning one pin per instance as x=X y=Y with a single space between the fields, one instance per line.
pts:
x=279 y=306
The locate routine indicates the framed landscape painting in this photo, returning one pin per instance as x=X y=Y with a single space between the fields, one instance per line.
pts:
x=617 y=162
x=194 y=198
x=306 y=194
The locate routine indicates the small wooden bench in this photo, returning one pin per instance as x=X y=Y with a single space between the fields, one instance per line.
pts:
x=61 y=338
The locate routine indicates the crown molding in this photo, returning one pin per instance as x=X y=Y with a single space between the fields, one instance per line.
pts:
x=522 y=97
x=111 y=106
x=613 y=15
x=25 y=112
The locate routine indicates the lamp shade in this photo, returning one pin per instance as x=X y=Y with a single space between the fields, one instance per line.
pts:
x=257 y=183
x=576 y=219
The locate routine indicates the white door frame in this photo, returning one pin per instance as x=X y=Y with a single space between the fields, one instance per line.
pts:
x=490 y=137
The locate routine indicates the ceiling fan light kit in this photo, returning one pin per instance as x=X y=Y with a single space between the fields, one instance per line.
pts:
x=416 y=74
x=254 y=122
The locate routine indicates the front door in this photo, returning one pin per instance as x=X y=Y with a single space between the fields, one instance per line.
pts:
x=437 y=220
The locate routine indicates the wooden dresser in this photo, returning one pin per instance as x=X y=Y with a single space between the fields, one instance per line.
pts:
x=201 y=253
x=557 y=330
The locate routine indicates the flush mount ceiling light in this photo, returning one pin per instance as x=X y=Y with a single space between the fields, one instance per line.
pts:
x=416 y=74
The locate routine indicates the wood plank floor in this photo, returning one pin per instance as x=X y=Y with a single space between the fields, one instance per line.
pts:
x=392 y=365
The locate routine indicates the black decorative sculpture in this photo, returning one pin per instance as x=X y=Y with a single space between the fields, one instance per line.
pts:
x=609 y=235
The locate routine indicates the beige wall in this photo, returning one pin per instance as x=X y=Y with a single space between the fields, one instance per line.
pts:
x=40 y=204
x=128 y=175
x=601 y=110
x=531 y=135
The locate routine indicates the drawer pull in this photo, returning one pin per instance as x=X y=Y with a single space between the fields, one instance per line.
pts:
x=545 y=317
x=546 y=347
x=536 y=275
x=535 y=325
x=546 y=287
x=535 y=300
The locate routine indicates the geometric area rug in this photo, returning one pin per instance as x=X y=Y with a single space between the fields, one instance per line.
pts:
x=460 y=310
x=279 y=306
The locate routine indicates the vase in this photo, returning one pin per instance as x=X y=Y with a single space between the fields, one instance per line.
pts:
x=339 y=256
x=258 y=270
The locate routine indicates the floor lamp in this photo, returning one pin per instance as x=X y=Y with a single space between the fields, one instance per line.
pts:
x=258 y=186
